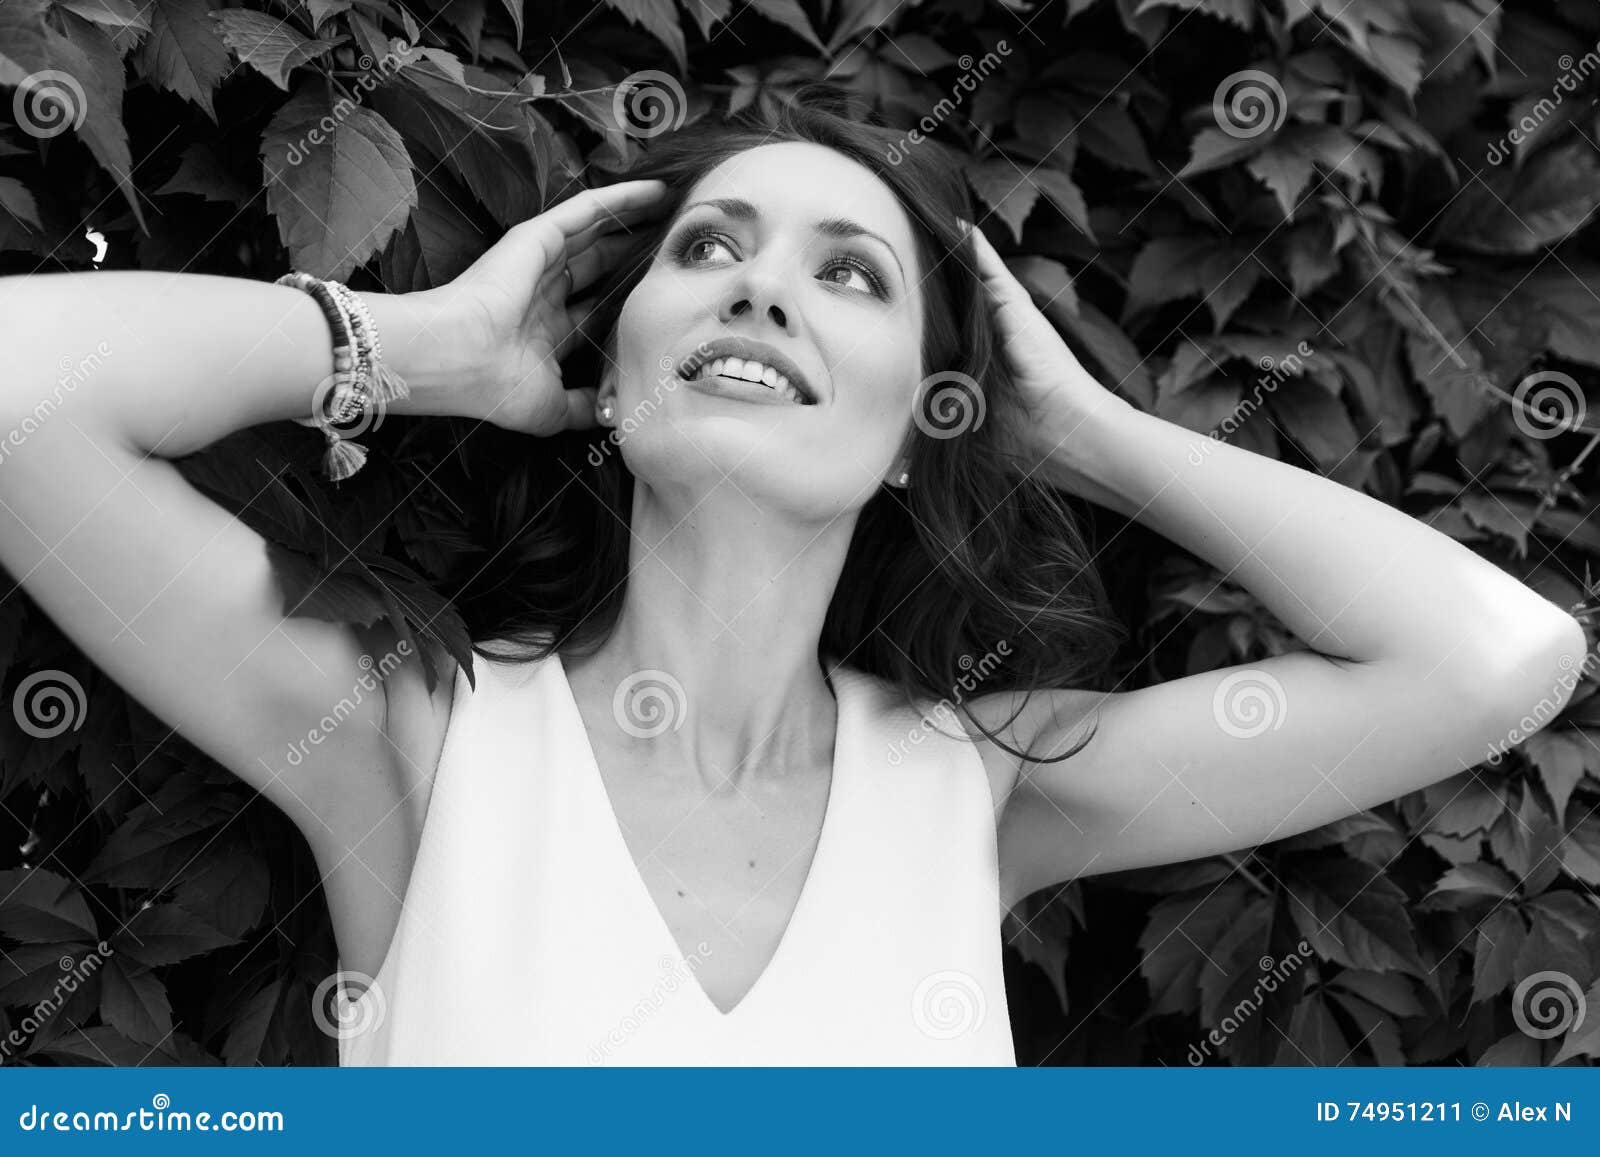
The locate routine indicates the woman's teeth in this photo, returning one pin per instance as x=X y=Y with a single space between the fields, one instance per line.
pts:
x=751 y=371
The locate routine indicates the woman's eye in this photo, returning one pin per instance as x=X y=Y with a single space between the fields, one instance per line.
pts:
x=851 y=270
x=693 y=250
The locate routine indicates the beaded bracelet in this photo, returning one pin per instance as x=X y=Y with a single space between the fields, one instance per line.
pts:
x=359 y=376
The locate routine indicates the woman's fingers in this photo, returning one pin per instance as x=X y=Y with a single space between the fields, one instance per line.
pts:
x=580 y=408
x=588 y=264
x=577 y=322
x=991 y=268
x=604 y=206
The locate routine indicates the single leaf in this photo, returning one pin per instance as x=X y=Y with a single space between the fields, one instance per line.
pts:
x=1494 y=958
x=1214 y=149
x=166 y=934
x=1178 y=933
x=1390 y=991
x=110 y=13
x=660 y=19
x=339 y=194
x=1561 y=758
x=1007 y=190
x=18 y=201
x=271 y=46
x=101 y=1045
x=135 y=1003
x=247 y=1029
x=38 y=905
x=1580 y=851
x=1353 y=915
x=1583 y=1039
x=200 y=171
x=1058 y=188
x=1478 y=879
x=184 y=52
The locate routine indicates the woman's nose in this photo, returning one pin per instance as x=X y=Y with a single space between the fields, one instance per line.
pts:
x=774 y=310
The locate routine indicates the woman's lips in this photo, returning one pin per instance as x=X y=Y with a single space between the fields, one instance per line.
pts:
x=739 y=389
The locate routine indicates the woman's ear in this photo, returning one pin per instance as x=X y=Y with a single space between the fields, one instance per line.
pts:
x=605 y=395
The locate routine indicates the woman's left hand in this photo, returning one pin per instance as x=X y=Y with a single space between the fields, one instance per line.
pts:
x=1055 y=392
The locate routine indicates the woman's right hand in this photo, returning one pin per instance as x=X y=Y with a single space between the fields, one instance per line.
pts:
x=516 y=305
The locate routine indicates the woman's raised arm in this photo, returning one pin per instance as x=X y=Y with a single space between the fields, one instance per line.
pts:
x=109 y=374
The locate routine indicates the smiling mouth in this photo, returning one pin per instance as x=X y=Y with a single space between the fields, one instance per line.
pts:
x=748 y=372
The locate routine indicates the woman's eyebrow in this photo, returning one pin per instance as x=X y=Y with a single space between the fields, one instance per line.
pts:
x=841 y=227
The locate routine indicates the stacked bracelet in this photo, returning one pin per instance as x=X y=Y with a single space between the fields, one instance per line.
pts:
x=359 y=376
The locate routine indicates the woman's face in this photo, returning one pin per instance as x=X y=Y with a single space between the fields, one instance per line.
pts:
x=799 y=248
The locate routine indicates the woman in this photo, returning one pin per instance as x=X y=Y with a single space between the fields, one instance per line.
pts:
x=706 y=815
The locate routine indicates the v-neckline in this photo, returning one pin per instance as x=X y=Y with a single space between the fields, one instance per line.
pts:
x=662 y=929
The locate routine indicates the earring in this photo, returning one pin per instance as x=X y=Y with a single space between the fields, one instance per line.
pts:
x=605 y=411
x=903 y=478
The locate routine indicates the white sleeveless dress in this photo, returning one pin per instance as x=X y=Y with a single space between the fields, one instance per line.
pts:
x=528 y=937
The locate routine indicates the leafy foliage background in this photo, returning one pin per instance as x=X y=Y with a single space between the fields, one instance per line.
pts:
x=1173 y=255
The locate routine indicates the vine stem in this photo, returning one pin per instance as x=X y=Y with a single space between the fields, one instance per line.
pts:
x=1237 y=862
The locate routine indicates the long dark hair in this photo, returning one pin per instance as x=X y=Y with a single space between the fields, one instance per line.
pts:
x=972 y=578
